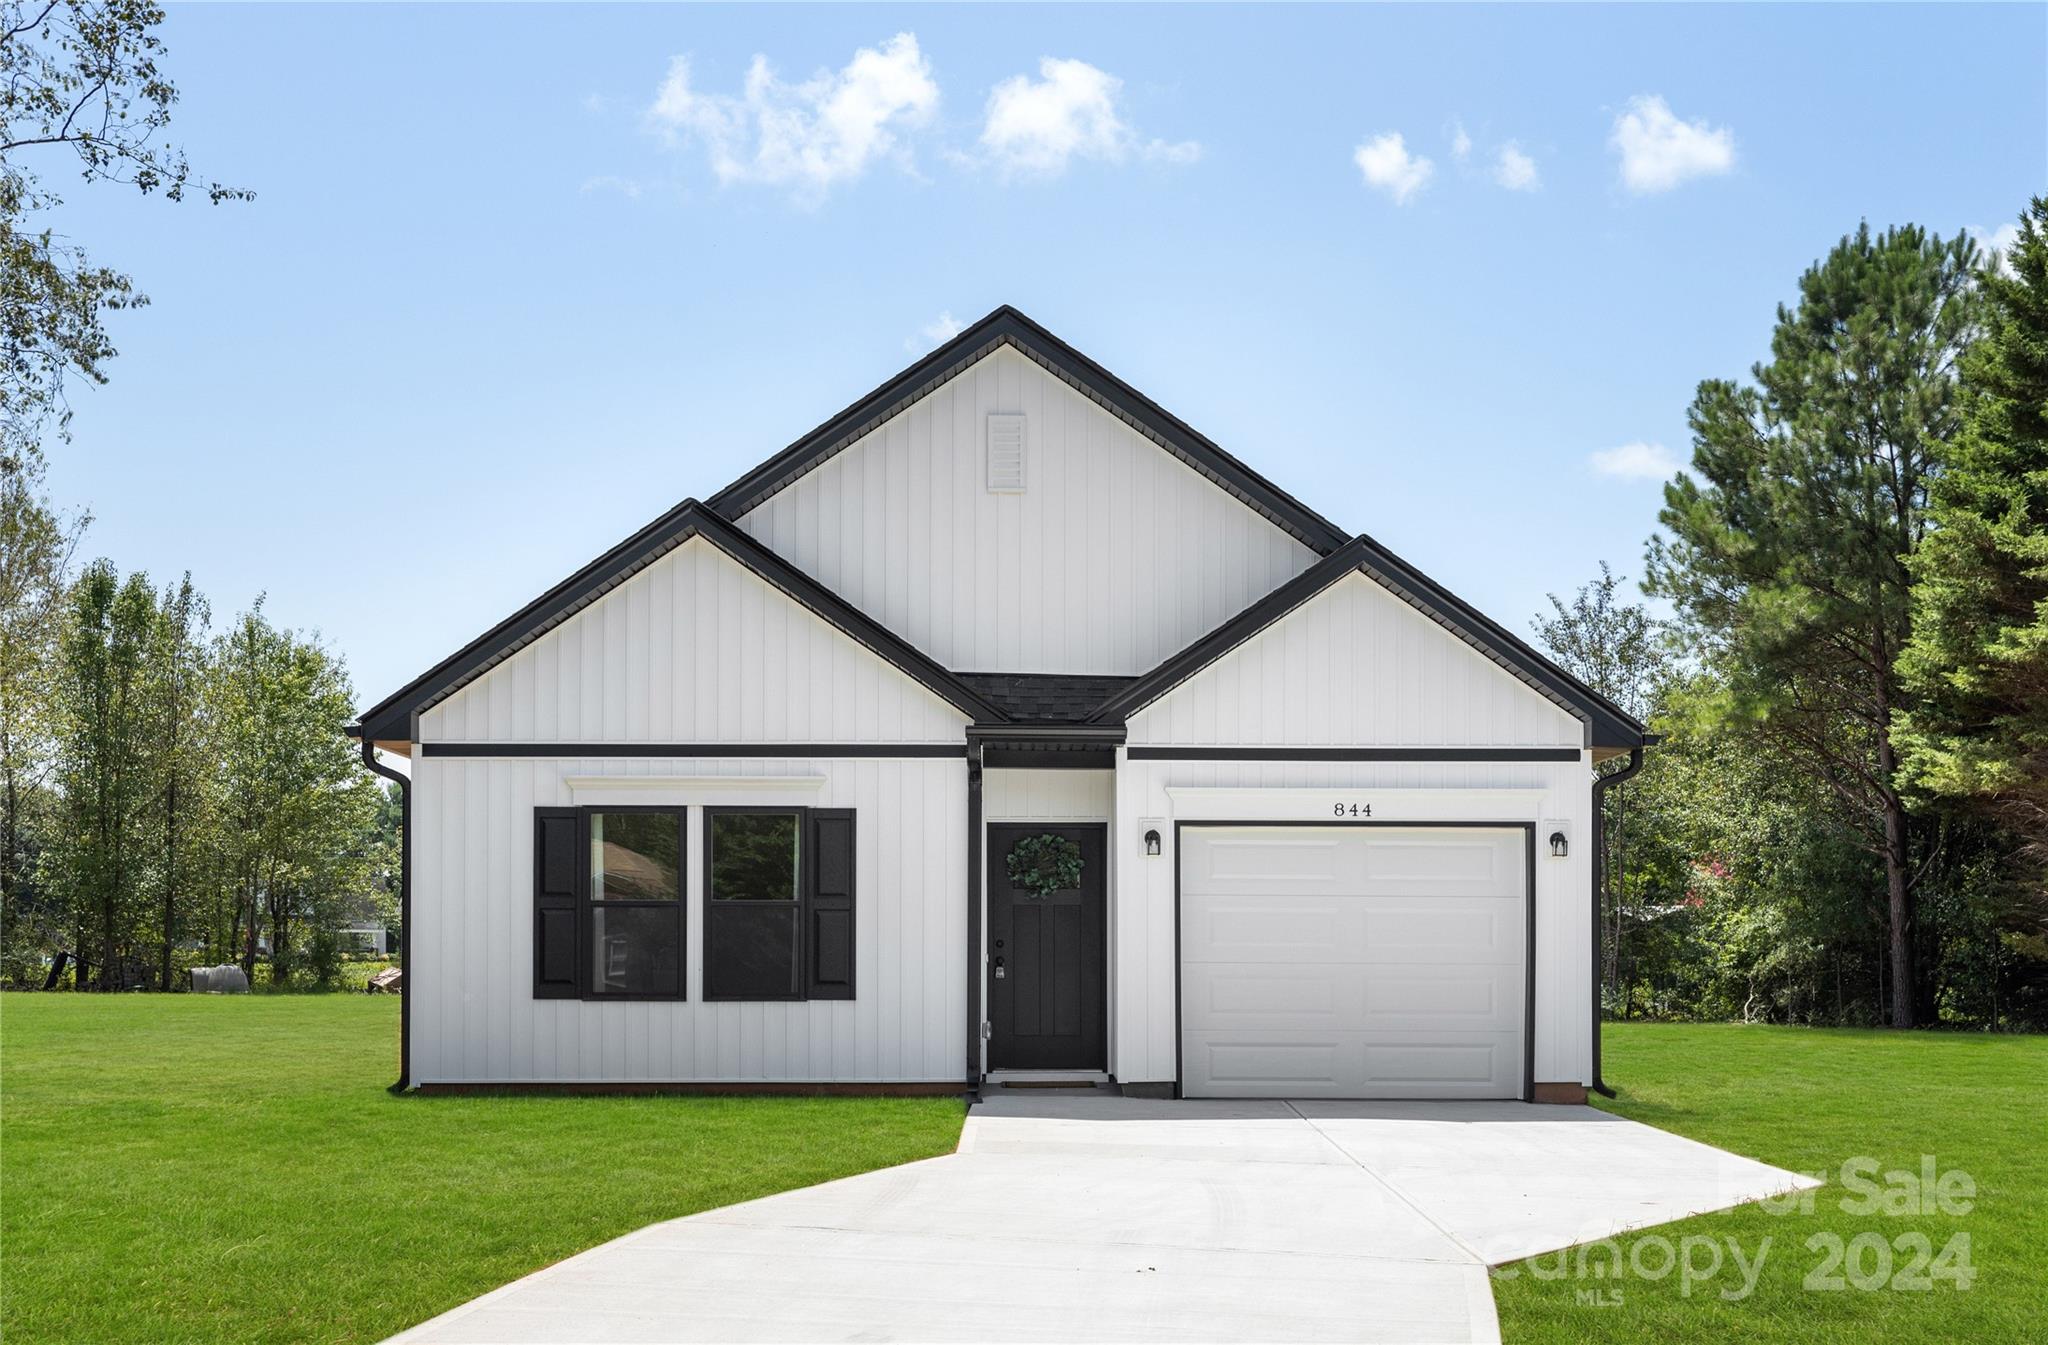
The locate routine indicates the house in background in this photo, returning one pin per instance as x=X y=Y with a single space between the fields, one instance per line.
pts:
x=1003 y=727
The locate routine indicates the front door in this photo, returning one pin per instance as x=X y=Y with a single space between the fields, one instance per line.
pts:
x=1047 y=965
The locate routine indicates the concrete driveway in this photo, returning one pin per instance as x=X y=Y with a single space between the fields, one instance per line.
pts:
x=1108 y=1219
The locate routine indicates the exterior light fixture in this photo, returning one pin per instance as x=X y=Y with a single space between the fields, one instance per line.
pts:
x=1558 y=846
x=1151 y=843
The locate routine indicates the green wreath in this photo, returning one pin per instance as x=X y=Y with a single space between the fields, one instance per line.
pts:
x=1045 y=864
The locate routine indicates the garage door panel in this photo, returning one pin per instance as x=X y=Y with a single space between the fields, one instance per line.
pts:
x=1349 y=997
x=1441 y=999
x=1290 y=930
x=1349 y=927
x=1397 y=970
x=1409 y=929
x=1475 y=864
x=1353 y=1064
x=1269 y=861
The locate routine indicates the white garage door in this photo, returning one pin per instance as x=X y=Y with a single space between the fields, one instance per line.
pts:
x=1368 y=962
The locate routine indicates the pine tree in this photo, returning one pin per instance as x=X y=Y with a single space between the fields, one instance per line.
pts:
x=1979 y=657
x=1789 y=558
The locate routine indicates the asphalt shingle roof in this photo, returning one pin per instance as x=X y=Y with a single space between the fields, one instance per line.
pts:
x=1045 y=698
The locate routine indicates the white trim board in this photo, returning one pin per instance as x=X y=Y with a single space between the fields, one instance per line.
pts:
x=688 y=789
x=1207 y=803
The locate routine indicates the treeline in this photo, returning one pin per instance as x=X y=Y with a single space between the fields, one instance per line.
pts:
x=170 y=796
x=1847 y=819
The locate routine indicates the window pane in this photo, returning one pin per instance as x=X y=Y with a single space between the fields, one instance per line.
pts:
x=635 y=857
x=753 y=857
x=635 y=950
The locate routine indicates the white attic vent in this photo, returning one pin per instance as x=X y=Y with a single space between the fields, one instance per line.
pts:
x=1006 y=452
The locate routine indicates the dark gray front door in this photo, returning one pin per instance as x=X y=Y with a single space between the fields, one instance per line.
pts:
x=1048 y=964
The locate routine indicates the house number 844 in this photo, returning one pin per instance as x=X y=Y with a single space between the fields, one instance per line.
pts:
x=1353 y=810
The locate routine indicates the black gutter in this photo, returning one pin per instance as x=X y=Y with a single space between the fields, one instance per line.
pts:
x=1600 y=787
x=405 y=986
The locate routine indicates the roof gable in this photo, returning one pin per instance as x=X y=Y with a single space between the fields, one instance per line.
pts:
x=1008 y=327
x=392 y=719
x=1607 y=725
x=694 y=648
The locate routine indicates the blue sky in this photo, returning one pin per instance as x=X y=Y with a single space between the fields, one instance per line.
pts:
x=513 y=284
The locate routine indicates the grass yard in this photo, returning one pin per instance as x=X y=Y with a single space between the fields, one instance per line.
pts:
x=194 y=1168
x=1809 y=1100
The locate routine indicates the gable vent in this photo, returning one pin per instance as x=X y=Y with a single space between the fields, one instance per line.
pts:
x=1006 y=452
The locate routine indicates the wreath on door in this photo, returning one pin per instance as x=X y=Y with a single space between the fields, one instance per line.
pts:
x=1044 y=864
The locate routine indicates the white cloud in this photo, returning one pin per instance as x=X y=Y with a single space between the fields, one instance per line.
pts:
x=1035 y=127
x=1515 y=170
x=1461 y=144
x=1658 y=151
x=1638 y=461
x=1388 y=165
x=810 y=136
x=1996 y=245
x=935 y=333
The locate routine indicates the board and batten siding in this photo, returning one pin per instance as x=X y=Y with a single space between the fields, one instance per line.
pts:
x=1012 y=795
x=1355 y=666
x=1144 y=1047
x=695 y=648
x=474 y=1018
x=1113 y=556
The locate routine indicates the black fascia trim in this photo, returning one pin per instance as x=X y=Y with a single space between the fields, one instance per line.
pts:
x=391 y=718
x=1612 y=726
x=998 y=757
x=1608 y=725
x=898 y=750
x=1355 y=753
x=1008 y=326
x=1048 y=733
x=1228 y=636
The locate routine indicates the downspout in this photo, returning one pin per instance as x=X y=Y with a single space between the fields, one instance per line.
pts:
x=1601 y=784
x=975 y=973
x=405 y=986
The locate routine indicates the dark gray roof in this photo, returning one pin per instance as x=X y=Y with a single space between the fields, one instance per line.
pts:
x=1045 y=698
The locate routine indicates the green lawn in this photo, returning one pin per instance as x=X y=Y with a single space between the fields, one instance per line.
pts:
x=1810 y=1100
x=194 y=1168
x=188 y=1168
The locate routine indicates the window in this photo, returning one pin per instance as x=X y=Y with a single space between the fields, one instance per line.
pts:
x=609 y=898
x=610 y=924
x=778 y=903
x=753 y=918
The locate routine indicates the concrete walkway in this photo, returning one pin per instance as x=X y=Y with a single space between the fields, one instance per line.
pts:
x=1112 y=1219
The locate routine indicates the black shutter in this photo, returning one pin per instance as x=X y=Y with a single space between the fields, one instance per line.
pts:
x=829 y=905
x=557 y=851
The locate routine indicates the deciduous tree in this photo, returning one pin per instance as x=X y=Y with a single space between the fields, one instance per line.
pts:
x=78 y=79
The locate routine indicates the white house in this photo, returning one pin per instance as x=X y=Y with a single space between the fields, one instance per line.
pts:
x=755 y=799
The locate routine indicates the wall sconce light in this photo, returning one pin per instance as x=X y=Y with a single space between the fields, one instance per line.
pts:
x=1152 y=843
x=1559 y=847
